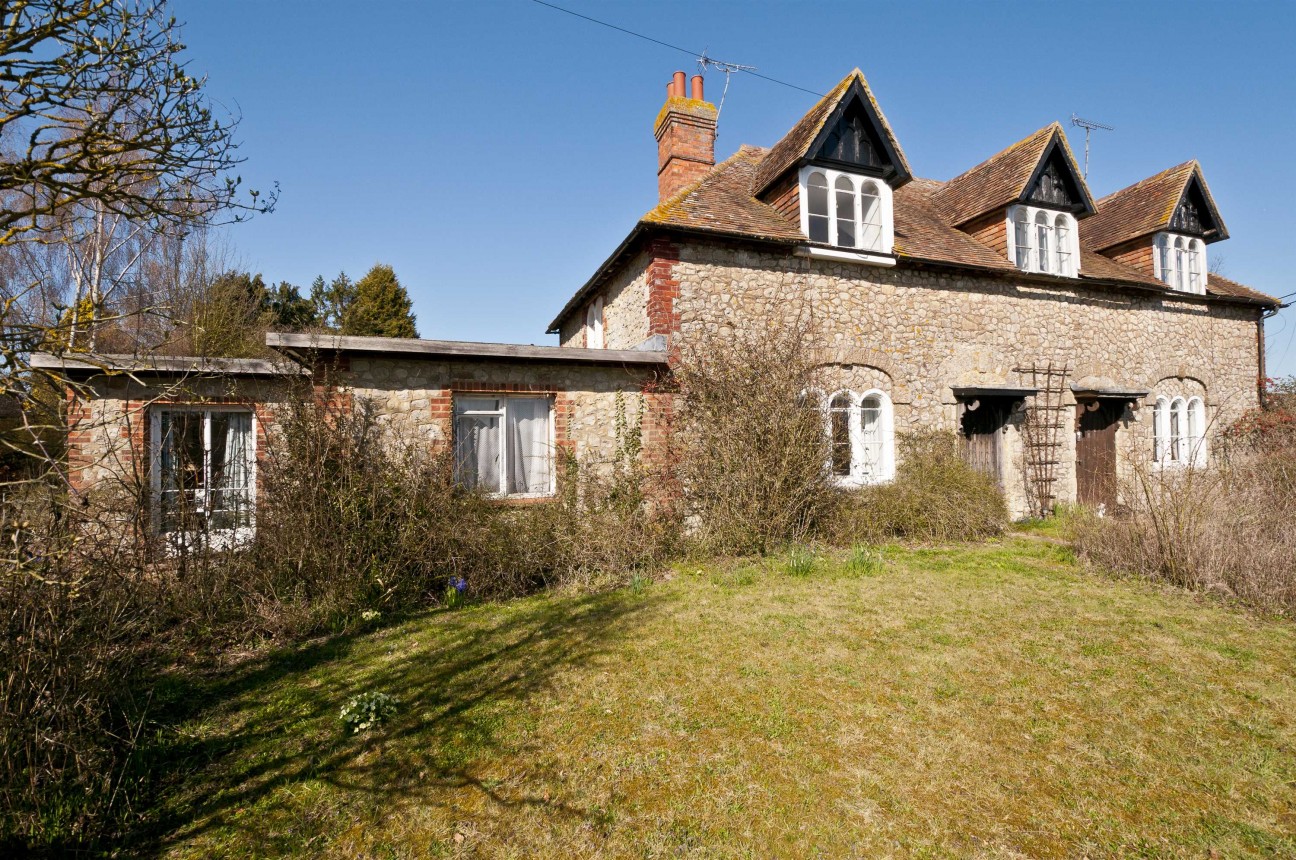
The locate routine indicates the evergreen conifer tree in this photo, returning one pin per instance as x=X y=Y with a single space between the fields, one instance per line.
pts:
x=381 y=307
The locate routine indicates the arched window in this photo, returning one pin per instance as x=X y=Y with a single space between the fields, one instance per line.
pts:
x=840 y=412
x=1197 y=432
x=1178 y=429
x=1021 y=238
x=1165 y=268
x=871 y=441
x=1195 y=267
x=594 y=324
x=871 y=216
x=860 y=437
x=1161 y=430
x=817 y=206
x=1179 y=264
x=846 y=215
x=847 y=210
x=1062 y=235
x=1043 y=246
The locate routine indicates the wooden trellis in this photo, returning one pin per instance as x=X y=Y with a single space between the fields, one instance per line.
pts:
x=1042 y=429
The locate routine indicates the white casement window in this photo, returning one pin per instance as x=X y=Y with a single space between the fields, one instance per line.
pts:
x=1062 y=232
x=1196 y=432
x=203 y=472
x=594 y=324
x=861 y=441
x=1179 y=262
x=504 y=446
x=1179 y=432
x=1195 y=254
x=846 y=210
x=1043 y=241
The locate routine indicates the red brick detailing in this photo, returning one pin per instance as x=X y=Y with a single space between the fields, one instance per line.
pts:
x=663 y=288
x=685 y=131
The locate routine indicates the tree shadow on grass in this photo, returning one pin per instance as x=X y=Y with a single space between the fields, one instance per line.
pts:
x=273 y=723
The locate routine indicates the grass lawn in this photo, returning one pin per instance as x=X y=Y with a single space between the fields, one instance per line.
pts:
x=983 y=701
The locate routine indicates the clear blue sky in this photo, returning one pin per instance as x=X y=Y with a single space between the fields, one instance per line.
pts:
x=496 y=152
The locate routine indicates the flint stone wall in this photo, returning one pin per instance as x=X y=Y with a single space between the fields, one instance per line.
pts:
x=415 y=397
x=925 y=330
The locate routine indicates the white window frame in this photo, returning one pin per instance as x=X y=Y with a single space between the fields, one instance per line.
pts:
x=1058 y=227
x=883 y=223
x=858 y=476
x=1169 y=251
x=502 y=414
x=594 y=337
x=216 y=538
x=1187 y=447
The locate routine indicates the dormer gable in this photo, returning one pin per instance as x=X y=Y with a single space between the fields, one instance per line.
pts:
x=1038 y=170
x=845 y=130
x=1160 y=226
x=1056 y=182
x=1195 y=214
x=835 y=171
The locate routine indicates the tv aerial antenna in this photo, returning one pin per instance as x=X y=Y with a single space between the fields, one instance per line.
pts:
x=704 y=62
x=1088 y=125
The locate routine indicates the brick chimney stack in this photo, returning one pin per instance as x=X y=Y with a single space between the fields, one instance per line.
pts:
x=685 y=131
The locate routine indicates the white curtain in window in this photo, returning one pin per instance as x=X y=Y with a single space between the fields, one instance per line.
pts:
x=1195 y=267
x=236 y=472
x=477 y=443
x=528 y=435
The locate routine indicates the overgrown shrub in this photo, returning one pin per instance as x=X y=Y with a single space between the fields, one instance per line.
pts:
x=75 y=614
x=748 y=449
x=936 y=496
x=1226 y=530
x=354 y=516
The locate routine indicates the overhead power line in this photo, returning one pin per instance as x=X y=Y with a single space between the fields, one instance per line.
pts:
x=700 y=56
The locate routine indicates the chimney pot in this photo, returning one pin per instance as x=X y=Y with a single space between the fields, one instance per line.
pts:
x=685 y=132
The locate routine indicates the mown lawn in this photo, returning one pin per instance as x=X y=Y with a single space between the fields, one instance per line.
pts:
x=982 y=701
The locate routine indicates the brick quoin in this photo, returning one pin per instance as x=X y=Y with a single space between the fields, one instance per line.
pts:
x=663 y=287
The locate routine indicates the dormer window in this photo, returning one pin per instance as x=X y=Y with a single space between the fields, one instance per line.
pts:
x=1178 y=262
x=1043 y=241
x=846 y=210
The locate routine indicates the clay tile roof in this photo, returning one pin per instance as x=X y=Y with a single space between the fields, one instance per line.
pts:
x=921 y=233
x=1144 y=207
x=721 y=202
x=1218 y=285
x=796 y=143
x=998 y=181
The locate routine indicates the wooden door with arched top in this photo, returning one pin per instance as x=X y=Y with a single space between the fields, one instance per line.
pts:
x=1096 y=423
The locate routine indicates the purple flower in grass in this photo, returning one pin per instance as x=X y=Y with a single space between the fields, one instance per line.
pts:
x=459 y=584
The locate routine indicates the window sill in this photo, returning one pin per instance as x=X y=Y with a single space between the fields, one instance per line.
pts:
x=856 y=483
x=867 y=258
x=522 y=500
x=218 y=540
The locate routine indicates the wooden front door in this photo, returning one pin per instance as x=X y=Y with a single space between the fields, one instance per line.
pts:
x=1096 y=452
x=979 y=435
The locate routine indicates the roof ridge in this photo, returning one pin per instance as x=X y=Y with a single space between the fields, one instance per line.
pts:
x=1007 y=149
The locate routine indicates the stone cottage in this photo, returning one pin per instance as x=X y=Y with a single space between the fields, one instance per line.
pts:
x=1066 y=340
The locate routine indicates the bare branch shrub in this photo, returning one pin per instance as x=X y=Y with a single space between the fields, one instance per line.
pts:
x=1226 y=530
x=353 y=516
x=75 y=613
x=749 y=450
x=936 y=496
